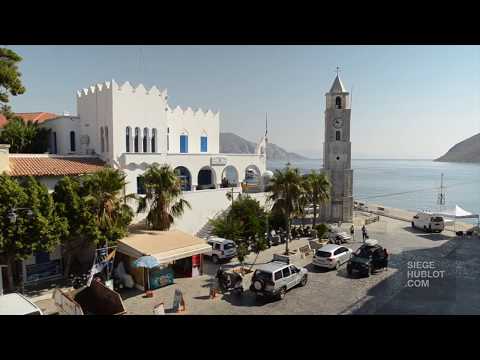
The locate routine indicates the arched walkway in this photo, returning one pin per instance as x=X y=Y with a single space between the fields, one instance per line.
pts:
x=229 y=177
x=252 y=182
x=206 y=178
x=185 y=177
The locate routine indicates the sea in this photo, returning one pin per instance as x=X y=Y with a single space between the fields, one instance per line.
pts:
x=408 y=184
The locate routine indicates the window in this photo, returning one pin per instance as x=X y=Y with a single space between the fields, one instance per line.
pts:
x=54 y=140
x=127 y=139
x=338 y=251
x=145 y=140
x=293 y=269
x=184 y=143
x=106 y=138
x=337 y=135
x=102 y=142
x=338 y=102
x=42 y=257
x=154 y=140
x=203 y=144
x=141 y=185
x=72 y=140
x=286 y=272
x=135 y=141
x=168 y=139
x=217 y=247
x=278 y=275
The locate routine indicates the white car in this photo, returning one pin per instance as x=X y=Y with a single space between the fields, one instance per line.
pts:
x=222 y=249
x=331 y=256
x=17 y=304
x=428 y=222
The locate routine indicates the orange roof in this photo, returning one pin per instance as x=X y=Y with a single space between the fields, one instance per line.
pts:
x=33 y=116
x=3 y=121
x=52 y=165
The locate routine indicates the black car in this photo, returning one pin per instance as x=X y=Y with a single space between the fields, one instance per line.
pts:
x=367 y=259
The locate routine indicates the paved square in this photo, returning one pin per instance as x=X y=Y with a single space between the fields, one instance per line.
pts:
x=333 y=292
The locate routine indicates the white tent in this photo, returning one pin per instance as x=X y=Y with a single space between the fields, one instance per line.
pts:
x=457 y=213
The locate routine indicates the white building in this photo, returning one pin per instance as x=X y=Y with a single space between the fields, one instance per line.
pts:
x=131 y=127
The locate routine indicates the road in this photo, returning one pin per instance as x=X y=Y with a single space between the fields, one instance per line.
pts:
x=333 y=292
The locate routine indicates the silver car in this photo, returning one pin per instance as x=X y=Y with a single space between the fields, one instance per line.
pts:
x=276 y=277
x=331 y=256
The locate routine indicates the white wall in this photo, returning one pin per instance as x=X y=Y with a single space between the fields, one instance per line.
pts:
x=94 y=107
x=135 y=165
x=138 y=107
x=195 y=124
x=206 y=204
x=62 y=127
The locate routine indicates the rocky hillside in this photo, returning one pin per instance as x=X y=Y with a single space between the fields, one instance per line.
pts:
x=231 y=143
x=466 y=151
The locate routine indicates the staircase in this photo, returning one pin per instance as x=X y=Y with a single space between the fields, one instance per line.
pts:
x=206 y=229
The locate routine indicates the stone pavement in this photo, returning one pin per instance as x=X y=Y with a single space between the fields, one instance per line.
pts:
x=334 y=292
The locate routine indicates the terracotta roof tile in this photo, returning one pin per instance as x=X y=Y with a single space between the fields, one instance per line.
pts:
x=34 y=116
x=35 y=165
x=3 y=121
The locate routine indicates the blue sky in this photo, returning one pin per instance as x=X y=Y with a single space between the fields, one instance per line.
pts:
x=408 y=101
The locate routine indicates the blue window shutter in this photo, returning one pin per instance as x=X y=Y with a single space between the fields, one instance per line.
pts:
x=203 y=144
x=183 y=143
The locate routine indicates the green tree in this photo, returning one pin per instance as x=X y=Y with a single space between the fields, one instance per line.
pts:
x=10 y=82
x=96 y=209
x=103 y=192
x=245 y=224
x=285 y=192
x=317 y=188
x=25 y=136
x=81 y=224
x=29 y=221
x=163 y=197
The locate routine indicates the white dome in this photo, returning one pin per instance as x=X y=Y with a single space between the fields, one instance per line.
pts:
x=267 y=173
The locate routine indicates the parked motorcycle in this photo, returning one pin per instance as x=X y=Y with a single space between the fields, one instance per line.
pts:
x=230 y=281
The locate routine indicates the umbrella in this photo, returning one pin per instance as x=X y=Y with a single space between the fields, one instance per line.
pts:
x=146 y=262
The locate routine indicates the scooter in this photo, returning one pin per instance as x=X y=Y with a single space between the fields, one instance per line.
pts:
x=230 y=281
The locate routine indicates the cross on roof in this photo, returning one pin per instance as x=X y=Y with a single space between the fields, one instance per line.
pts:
x=338 y=69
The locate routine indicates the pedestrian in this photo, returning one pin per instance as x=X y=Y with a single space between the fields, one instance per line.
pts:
x=364 y=232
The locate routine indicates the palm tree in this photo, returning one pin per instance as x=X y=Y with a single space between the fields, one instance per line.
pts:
x=286 y=190
x=104 y=193
x=318 y=191
x=163 y=197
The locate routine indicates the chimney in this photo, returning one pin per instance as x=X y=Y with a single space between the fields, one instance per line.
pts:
x=4 y=163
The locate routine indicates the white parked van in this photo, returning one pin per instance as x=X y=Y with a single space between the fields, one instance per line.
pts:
x=428 y=222
x=222 y=249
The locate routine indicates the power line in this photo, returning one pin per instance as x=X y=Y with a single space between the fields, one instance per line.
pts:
x=415 y=191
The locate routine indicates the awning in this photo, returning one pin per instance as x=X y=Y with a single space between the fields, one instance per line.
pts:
x=165 y=246
x=457 y=213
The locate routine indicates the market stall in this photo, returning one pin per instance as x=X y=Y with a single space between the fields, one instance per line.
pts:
x=178 y=254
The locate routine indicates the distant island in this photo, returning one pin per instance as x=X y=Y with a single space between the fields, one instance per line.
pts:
x=467 y=151
x=233 y=144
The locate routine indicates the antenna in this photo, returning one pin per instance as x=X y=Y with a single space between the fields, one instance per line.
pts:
x=266 y=125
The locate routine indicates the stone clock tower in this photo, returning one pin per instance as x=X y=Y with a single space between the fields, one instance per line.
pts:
x=337 y=154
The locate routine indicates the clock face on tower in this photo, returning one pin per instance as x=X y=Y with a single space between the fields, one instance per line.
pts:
x=337 y=123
